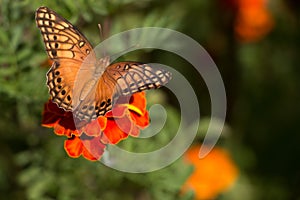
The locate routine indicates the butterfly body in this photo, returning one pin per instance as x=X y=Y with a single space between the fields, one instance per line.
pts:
x=81 y=83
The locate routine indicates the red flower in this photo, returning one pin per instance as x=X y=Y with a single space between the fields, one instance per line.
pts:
x=60 y=120
x=127 y=117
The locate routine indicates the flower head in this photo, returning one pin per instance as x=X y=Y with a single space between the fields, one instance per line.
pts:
x=89 y=139
x=253 y=20
x=212 y=175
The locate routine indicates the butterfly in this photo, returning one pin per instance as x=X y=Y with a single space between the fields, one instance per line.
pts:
x=100 y=82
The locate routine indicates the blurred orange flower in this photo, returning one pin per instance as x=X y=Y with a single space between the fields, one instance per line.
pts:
x=253 y=20
x=46 y=63
x=212 y=175
x=89 y=139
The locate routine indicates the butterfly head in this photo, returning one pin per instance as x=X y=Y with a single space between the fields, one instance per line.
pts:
x=101 y=65
x=103 y=62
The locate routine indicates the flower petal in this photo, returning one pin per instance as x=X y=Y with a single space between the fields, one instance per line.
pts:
x=61 y=120
x=89 y=139
x=212 y=175
x=51 y=114
x=135 y=132
x=138 y=100
x=118 y=129
x=90 y=148
x=95 y=127
x=118 y=111
x=254 y=20
x=93 y=148
x=73 y=147
x=140 y=120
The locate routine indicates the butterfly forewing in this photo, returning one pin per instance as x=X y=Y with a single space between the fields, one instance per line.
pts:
x=62 y=40
x=68 y=48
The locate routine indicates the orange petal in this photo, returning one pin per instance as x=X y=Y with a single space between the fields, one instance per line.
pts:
x=212 y=175
x=95 y=127
x=89 y=147
x=73 y=147
x=117 y=129
x=93 y=148
x=46 y=63
x=140 y=121
x=138 y=100
x=135 y=131
x=60 y=131
x=118 y=111
x=253 y=20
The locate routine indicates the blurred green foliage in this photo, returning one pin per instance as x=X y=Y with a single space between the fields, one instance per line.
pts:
x=261 y=80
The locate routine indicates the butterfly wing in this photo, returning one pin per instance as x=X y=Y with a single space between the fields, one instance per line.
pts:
x=132 y=77
x=91 y=95
x=120 y=79
x=68 y=48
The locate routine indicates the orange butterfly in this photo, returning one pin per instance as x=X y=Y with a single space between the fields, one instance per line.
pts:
x=99 y=85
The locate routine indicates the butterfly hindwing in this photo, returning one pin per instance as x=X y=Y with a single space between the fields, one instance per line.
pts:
x=132 y=77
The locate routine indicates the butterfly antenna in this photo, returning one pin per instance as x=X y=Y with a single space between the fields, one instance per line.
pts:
x=119 y=53
x=101 y=32
x=102 y=37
